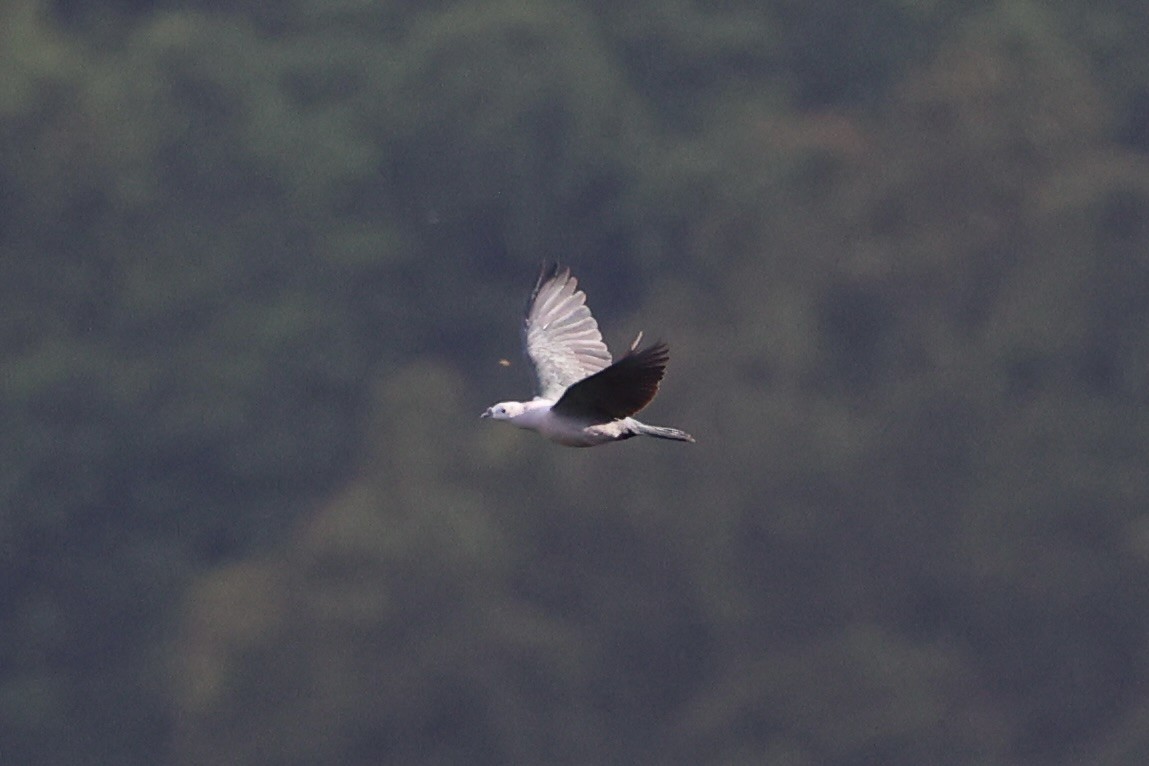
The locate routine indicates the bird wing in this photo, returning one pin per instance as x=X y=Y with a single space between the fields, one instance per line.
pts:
x=618 y=391
x=560 y=336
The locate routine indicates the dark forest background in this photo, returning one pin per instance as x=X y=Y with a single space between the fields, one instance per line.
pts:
x=259 y=263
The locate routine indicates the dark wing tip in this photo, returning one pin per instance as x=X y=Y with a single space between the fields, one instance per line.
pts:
x=649 y=368
x=657 y=352
x=549 y=271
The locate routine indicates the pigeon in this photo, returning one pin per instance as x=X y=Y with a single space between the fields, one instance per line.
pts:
x=583 y=398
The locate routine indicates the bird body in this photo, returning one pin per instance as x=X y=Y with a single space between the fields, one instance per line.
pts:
x=583 y=398
x=538 y=415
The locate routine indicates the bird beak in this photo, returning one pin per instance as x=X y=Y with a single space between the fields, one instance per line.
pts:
x=486 y=413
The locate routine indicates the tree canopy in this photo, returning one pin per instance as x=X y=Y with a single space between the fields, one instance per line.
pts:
x=258 y=266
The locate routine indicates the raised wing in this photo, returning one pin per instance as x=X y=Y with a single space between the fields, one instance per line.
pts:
x=560 y=336
x=618 y=391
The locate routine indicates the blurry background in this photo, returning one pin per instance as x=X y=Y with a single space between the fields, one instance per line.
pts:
x=259 y=263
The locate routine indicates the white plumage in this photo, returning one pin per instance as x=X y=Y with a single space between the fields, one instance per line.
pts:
x=583 y=399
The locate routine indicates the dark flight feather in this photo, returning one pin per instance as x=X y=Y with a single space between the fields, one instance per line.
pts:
x=620 y=390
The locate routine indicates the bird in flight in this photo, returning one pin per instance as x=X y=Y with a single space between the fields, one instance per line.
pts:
x=583 y=399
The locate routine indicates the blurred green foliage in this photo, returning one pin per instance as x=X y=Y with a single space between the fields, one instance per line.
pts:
x=257 y=266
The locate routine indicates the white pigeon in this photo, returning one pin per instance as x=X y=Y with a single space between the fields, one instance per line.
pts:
x=583 y=399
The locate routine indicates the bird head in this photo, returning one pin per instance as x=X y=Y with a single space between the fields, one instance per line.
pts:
x=504 y=411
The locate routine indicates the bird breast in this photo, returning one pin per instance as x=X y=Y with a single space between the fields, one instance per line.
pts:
x=535 y=415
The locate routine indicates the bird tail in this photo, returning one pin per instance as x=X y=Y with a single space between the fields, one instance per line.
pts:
x=661 y=432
